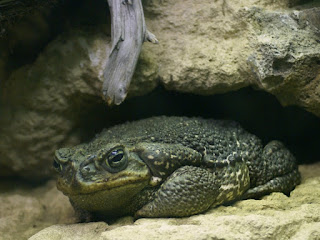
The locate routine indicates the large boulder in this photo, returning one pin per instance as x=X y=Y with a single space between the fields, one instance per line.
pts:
x=209 y=48
x=27 y=209
x=40 y=102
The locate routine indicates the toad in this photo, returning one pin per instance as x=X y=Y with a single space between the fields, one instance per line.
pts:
x=171 y=167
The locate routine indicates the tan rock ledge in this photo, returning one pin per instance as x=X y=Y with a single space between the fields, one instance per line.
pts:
x=25 y=211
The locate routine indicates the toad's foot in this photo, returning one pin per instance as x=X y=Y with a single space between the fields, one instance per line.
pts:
x=284 y=184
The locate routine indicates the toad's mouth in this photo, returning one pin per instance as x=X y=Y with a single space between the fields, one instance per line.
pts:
x=77 y=186
x=107 y=201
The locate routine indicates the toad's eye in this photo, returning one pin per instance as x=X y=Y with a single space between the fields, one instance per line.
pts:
x=116 y=160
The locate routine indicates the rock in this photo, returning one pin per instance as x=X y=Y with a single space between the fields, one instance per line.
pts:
x=286 y=59
x=37 y=99
x=276 y=216
x=86 y=231
x=237 y=44
x=25 y=210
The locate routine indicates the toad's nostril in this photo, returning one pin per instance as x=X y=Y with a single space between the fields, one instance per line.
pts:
x=56 y=165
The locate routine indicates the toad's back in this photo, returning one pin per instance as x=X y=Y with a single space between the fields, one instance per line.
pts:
x=217 y=137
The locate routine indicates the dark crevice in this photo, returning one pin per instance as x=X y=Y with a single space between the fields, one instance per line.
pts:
x=258 y=112
x=28 y=35
x=281 y=65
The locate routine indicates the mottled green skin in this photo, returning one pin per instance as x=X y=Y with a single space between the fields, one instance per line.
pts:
x=171 y=167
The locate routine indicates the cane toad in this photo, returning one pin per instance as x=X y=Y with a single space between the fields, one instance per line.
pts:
x=171 y=167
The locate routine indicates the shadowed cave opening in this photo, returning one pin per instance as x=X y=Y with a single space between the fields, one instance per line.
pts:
x=258 y=112
x=27 y=35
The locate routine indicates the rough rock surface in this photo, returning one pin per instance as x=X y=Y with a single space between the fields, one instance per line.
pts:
x=239 y=43
x=206 y=47
x=24 y=212
x=37 y=99
x=286 y=57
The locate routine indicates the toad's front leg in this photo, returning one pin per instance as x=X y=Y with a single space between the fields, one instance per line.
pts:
x=191 y=190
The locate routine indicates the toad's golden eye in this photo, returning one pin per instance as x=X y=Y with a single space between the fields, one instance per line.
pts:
x=116 y=160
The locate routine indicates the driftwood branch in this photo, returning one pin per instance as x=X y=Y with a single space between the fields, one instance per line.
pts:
x=128 y=32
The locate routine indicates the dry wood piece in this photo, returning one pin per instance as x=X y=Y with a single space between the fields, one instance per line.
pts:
x=128 y=32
